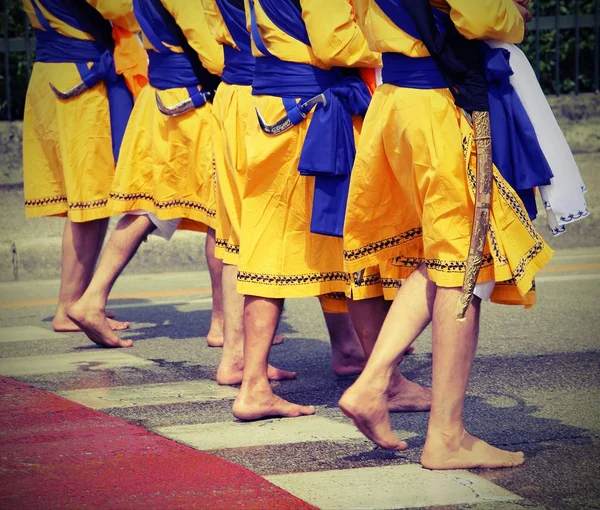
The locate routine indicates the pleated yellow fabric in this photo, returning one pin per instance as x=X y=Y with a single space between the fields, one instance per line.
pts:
x=279 y=256
x=230 y=108
x=68 y=163
x=166 y=163
x=412 y=195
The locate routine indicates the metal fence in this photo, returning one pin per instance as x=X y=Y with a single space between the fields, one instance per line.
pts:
x=542 y=29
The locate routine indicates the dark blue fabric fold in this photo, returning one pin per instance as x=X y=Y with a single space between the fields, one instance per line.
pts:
x=153 y=27
x=239 y=62
x=239 y=67
x=515 y=147
x=412 y=73
x=59 y=11
x=235 y=20
x=53 y=47
x=287 y=17
x=170 y=71
x=166 y=68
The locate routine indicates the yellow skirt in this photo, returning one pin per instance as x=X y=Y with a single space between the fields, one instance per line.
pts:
x=412 y=198
x=166 y=163
x=230 y=108
x=279 y=256
x=68 y=163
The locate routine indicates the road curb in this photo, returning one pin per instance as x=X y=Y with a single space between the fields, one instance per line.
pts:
x=40 y=259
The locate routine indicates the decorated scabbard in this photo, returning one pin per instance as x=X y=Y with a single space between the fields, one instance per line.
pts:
x=481 y=218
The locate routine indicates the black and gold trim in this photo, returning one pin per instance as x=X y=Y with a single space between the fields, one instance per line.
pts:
x=378 y=246
x=188 y=204
x=443 y=266
x=42 y=202
x=292 y=280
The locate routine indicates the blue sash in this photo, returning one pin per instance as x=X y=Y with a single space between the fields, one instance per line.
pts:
x=53 y=47
x=166 y=69
x=515 y=149
x=239 y=63
x=329 y=150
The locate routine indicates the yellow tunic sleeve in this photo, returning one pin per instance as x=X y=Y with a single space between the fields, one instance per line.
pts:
x=488 y=19
x=335 y=36
x=216 y=24
x=192 y=20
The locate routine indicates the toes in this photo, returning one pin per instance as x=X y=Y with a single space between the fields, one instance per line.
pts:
x=117 y=325
x=276 y=374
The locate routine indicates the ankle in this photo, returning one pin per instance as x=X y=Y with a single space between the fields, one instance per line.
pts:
x=450 y=438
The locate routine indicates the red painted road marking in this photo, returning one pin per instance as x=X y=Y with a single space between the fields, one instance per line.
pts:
x=59 y=454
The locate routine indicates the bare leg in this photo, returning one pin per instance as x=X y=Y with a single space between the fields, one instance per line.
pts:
x=368 y=316
x=448 y=445
x=366 y=401
x=256 y=399
x=214 y=338
x=231 y=366
x=88 y=313
x=78 y=263
x=109 y=313
x=347 y=355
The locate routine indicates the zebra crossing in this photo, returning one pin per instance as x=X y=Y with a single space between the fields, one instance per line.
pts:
x=393 y=483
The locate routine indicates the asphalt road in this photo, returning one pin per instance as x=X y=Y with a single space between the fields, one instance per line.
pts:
x=535 y=387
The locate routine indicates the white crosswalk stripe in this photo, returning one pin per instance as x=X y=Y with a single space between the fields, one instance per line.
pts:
x=93 y=359
x=151 y=394
x=28 y=333
x=408 y=486
x=306 y=429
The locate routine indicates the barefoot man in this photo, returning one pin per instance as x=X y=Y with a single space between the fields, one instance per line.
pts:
x=412 y=201
x=164 y=179
x=303 y=120
x=227 y=21
x=72 y=131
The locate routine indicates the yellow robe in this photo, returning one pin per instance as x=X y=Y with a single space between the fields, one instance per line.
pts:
x=279 y=256
x=166 y=163
x=68 y=162
x=412 y=186
x=230 y=108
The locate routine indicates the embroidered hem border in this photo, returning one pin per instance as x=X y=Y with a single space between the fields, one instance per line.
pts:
x=188 y=204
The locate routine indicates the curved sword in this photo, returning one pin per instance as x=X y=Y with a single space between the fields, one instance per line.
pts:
x=285 y=123
x=78 y=89
x=179 y=109
x=481 y=218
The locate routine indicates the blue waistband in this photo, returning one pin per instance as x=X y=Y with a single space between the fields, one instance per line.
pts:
x=274 y=77
x=413 y=73
x=239 y=67
x=55 y=48
x=170 y=71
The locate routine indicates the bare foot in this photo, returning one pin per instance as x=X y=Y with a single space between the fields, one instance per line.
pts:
x=217 y=341
x=67 y=325
x=257 y=405
x=96 y=326
x=368 y=409
x=228 y=375
x=214 y=338
x=465 y=453
x=405 y=396
x=345 y=365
